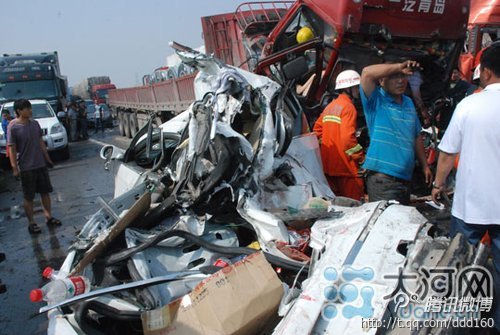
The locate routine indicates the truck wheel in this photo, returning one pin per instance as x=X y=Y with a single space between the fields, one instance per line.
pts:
x=121 y=127
x=133 y=124
x=126 y=124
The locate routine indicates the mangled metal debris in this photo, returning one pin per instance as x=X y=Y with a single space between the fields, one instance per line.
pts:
x=222 y=181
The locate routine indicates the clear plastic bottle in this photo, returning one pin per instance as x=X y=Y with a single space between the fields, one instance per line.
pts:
x=60 y=289
x=14 y=212
x=51 y=274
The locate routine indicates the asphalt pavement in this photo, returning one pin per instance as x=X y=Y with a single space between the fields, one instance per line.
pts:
x=77 y=183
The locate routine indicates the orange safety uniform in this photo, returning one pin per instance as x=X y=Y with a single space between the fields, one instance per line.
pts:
x=340 y=151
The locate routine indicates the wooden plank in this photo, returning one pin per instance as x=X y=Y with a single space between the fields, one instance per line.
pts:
x=138 y=209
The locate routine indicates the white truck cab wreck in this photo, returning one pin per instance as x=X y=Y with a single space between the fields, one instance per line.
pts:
x=223 y=180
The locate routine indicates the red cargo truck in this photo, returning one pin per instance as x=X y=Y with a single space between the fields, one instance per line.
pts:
x=261 y=37
x=100 y=92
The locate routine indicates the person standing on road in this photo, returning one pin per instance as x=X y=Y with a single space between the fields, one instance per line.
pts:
x=6 y=118
x=25 y=139
x=336 y=129
x=73 y=121
x=474 y=133
x=82 y=116
x=98 y=119
x=394 y=130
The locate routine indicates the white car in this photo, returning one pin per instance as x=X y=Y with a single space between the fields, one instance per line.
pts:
x=54 y=133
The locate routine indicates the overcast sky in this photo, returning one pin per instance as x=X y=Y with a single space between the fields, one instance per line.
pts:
x=123 y=39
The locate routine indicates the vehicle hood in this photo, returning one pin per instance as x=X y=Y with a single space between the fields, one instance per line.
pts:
x=47 y=122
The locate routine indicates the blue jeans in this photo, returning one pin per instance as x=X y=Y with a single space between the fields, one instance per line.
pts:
x=473 y=233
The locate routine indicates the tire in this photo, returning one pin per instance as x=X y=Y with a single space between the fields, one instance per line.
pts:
x=64 y=153
x=126 y=124
x=121 y=127
x=133 y=124
x=61 y=154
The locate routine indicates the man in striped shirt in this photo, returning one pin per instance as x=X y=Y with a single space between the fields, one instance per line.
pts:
x=394 y=130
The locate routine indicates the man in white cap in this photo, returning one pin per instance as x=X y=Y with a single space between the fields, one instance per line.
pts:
x=336 y=129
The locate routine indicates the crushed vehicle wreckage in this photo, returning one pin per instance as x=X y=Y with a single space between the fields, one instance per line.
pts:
x=213 y=186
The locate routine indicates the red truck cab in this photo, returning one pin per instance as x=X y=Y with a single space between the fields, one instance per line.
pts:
x=100 y=92
x=484 y=28
x=353 y=34
x=348 y=34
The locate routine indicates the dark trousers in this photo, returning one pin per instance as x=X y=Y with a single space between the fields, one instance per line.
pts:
x=74 y=128
x=99 y=124
x=380 y=186
x=473 y=233
x=83 y=129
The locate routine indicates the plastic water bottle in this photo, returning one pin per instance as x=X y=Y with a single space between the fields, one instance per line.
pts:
x=51 y=274
x=61 y=289
x=14 y=212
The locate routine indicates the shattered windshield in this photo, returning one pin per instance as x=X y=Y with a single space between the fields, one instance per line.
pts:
x=305 y=18
x=304 y=27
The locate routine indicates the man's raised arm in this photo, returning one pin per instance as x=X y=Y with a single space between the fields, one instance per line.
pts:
x=373 y=73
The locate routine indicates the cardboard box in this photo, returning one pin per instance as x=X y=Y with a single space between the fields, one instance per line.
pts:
x=238 y=299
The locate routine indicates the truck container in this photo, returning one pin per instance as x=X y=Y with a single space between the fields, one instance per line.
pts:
x=33 y=76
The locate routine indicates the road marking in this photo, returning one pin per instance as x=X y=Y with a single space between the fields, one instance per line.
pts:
x=121 y=146
x=98 y=142
x=65 y=166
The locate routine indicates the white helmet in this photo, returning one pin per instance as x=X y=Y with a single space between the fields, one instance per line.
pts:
x=477 y=72
x=347 y=78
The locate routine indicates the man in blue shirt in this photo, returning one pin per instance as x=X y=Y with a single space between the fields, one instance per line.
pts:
x=6 y=118
x=394 y=131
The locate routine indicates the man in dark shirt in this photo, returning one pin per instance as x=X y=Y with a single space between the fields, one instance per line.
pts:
x=456 y=91
x=25 y=139
x=82 y=120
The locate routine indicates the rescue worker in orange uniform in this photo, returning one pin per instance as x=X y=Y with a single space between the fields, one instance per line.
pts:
x=341 y=153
